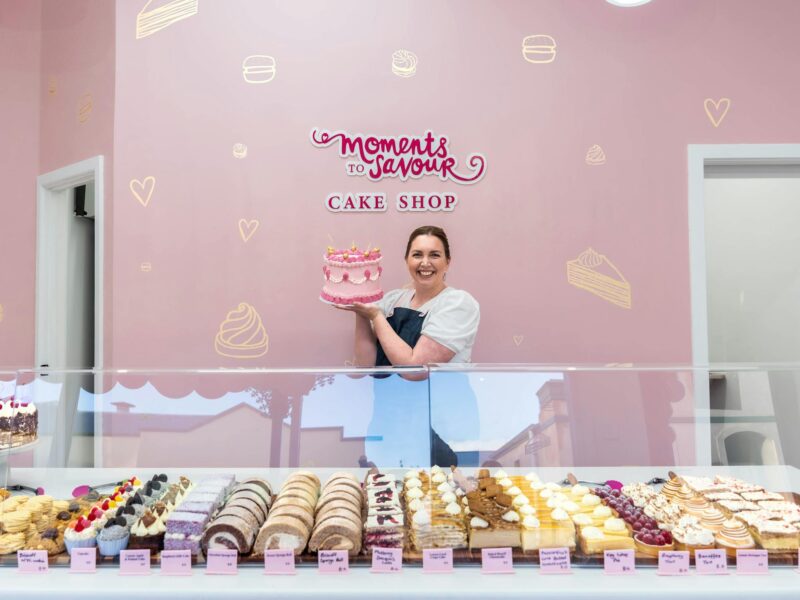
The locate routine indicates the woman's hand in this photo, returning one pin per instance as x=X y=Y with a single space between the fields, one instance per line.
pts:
x=367 y=311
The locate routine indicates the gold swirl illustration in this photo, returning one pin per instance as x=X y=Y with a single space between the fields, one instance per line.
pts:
x=242 y=334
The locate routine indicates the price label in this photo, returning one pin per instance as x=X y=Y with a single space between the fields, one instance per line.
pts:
x=83 y=560
x=711 y=562
x=279 y=562
x=387 y=560
x=673 y=562
x=32 y=561
x=752 y=562
x=496 y=560
x=555 y=561
x=222 y=562
x=134 y=562
x=437 y=560
x=333 y=561
x=176 y=562
x=619 y=562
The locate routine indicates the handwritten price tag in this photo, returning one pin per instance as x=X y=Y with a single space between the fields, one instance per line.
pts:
x=437 y=560
x=83 y=560
x=555 y=561
x=176 y=562
x=387 y=560
x=279 y=562
x=673 y=563
x=333 y=561
x=134 y=562
x=752 y=562
x=619 y=562
x=32 y=561
x=711 y=562
x=496 y=560
x=223 y=562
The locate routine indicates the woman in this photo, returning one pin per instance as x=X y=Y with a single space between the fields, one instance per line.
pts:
x=427 y=323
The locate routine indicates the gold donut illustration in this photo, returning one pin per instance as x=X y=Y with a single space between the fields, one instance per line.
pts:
x=404 y=63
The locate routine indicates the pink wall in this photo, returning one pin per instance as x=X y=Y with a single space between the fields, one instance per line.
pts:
x=172 y=104
x=631 y=80
x=20 y=35
x=77 y=101
x=52 y=55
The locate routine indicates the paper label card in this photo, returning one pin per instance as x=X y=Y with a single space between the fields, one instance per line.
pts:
x=279 y=562
x=387 y=560
x=176 y=562
x=437 y=560
x=673 y=562
x=752 y=562
x=496 y=560
x=32 y=561
x=711 y=562
x=222 y=562
x=83 y=560
x=333 y=561
x=134 y=562
x=619 y=562
x=554 y=561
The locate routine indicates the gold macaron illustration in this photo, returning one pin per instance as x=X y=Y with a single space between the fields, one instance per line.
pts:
x=539 y=49
x=258 y=68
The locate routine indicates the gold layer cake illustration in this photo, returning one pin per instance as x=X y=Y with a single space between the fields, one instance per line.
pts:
x=596 y=274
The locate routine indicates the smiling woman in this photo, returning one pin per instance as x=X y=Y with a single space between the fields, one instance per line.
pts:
x=428 y=323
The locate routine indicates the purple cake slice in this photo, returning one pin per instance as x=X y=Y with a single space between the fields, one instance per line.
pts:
x=186 y=523
x=178 y=541
x=199 y=506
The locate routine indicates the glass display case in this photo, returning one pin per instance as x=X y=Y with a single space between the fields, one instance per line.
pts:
x=469 y=457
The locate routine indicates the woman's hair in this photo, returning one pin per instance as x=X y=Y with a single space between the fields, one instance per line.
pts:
x=429 y=230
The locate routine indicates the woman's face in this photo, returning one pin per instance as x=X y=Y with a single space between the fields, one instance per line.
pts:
x=426 y=262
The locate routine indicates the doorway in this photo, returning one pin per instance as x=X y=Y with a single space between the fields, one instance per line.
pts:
x=69 y=302
x=744 y=229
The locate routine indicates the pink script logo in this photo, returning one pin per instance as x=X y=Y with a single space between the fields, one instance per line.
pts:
x=402 y=156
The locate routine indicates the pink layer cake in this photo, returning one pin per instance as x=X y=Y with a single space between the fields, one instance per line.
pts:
x=352 y=276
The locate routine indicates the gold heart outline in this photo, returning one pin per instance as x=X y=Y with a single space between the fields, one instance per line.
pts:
x=726 y=101
x=518 y=340
x=143 y=185
x=245 y=225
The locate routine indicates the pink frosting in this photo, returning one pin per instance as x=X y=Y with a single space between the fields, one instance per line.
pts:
x=351 y=299
x=355 y=258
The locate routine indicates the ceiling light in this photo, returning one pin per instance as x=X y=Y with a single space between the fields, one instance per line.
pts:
x=627 y=3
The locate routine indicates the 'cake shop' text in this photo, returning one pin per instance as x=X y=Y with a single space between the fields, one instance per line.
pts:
x=376 y=202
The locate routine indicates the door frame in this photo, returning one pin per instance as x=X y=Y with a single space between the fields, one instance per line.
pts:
x=699 y=157
x=48 y=186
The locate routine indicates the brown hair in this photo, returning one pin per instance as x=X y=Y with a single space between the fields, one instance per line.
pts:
x=429 y=230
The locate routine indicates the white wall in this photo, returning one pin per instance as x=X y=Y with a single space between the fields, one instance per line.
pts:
x=753 y=266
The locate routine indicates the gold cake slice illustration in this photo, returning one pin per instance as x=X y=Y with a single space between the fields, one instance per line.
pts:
x=160 y=14
x=596 y=274
x=242 y=334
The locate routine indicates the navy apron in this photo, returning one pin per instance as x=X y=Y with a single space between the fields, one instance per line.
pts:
x=407 y=324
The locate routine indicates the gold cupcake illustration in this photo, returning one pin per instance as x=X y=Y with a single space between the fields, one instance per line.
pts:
x=404 y=63
x=242 y=334
x=596 y=274
x=595 y=156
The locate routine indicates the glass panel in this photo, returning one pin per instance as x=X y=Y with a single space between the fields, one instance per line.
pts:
x=230 y=419
x=528 y=416
x=7 y=413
